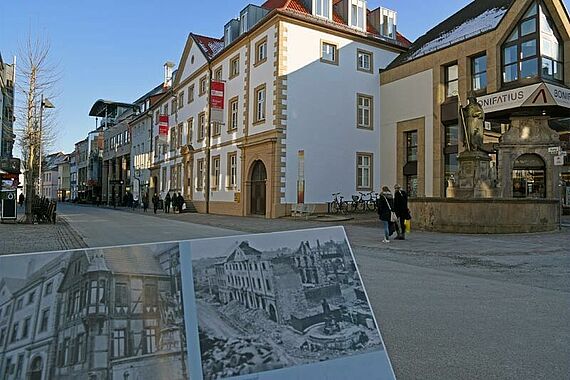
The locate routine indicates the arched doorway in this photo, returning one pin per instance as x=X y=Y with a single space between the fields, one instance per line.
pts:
x=36 y=369
x=272 y=313
x=529 y=177
x=258 y=192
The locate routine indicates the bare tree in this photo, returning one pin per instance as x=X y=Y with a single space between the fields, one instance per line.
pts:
x=36 y=80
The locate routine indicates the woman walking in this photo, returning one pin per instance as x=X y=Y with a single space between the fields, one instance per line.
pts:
x=385 y=205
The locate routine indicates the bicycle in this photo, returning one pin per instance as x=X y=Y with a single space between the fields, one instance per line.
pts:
x=371 y=200
x=338 y=206
x=358 y=204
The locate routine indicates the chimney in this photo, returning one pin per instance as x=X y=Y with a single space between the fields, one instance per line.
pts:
x=168 y=66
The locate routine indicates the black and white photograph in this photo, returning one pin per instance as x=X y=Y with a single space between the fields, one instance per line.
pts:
x=267 y=302
x=97 y=314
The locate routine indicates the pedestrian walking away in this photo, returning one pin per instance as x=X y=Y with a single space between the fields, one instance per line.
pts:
x=181 y=202
x=155 y=202
x=21 y=199
x=385 y=205
x=401 y=210
x=167 y=201
x=145 y=202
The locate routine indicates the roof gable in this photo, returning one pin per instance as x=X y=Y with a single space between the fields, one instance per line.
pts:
x=478 y=17
x=187 y=66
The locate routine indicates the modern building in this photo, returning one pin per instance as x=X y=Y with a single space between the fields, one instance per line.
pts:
x=301 y=116
x=513 y=56
x=64 y=179
x=115 y=148
x=82 y=164
x=73 y=176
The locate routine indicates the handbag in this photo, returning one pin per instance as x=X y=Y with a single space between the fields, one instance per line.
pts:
x=393 y=216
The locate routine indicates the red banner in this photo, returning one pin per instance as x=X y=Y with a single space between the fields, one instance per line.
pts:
x=163 y=127
x=217 y=95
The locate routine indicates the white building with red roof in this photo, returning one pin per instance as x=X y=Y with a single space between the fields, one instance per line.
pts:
x=301 y=115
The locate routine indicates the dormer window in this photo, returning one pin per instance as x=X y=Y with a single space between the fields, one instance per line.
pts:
x=228 y=35
x=358 y=14
x=322 y=8
x=387 y=23
x=243 y=23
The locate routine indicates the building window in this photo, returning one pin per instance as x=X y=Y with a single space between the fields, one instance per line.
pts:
x=451 y=80
x=163 y=179
x=172 y=138
x=260 y=97
x=150 y=340
x=174 y=106
x=261 y=51
x=19 y=366
x=121 y=295
x=218 y=74
x=179 y=131
x=358 y=13
x=200 y=174
x=234 y=67
x=329 y=53
x=322 y=8
x=412 y=146
x=172 y=177
x=450 y=150
x=181 y=99
x=528 y=176
x=44 y=320
x=26 y=328
x=190 y=126
x=216 y=129
x=119 y=343
x=232 y=170
x=364 y=111
x=479 y=73
x=233 y=116
x=20 y=304
x=191 y=93
x=410 y=168
x=533 y=48
x=31 y=296
x=81 y=348
x=215 y=173
x=14 y=336
x=364 y=61
x=2 y=336
x=243 y=22
x=150 y=295
x=201 y=126
x=364 y=171
x=203 y=86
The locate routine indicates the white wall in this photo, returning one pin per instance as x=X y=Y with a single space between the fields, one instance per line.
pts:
x=406 y=99
x=321 y=112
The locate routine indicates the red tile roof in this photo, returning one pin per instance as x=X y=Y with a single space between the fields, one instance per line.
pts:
x=210 y=46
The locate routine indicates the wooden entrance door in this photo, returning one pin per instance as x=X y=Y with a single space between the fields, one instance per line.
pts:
x=258 y=191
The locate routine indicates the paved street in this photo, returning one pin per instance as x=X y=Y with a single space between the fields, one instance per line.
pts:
x=449 y=306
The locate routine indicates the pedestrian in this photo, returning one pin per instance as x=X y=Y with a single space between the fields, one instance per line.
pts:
x=145 y=202
x=155 y=202
x=131 y=201
x=174 y=203
x=180 y=203
x=21 y=199
x=167 y=201
x=97 y=201
x=401 y=210
x=385 y=205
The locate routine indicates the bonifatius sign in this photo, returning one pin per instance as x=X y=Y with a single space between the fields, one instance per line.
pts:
x=217 y=99
x=163 y=127
x=535 y=95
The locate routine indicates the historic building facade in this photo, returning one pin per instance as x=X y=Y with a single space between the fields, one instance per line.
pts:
x=286 y=131
x=513 y=56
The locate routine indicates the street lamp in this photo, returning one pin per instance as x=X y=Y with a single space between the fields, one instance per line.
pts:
x=45 y=103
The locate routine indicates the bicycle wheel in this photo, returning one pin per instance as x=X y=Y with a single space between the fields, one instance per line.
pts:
x=371 y=205
x=344 y=207
x=335 y=208
x=361 y=206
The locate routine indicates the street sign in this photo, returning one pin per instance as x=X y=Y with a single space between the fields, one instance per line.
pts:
x=554 y=150
x=558 y=160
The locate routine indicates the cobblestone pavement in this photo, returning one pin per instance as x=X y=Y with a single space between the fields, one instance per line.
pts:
x=22 y=238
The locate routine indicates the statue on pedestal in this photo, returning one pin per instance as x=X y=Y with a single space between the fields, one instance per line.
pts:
x=473 y=118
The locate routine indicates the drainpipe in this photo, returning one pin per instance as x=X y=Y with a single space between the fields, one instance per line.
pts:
x=208 y=141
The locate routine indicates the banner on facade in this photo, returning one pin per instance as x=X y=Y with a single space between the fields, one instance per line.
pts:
x=272 y=306
x=535 y=95
x=163 y=128
x=217 y=100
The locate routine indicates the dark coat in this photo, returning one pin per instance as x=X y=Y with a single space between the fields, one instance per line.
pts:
x=384 y=203
x=401 y=204
x=167 y=200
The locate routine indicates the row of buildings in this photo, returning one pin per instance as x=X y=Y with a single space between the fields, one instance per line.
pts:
x=94 y=315
x=9 y=166
x=325 y=96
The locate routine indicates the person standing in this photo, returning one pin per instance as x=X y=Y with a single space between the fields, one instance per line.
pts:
x=401 y=210
x=167 y=201
x=145 y=202
x=385 y=205
x=155 y=202
x=180 y=203
x=21 y=199
x=174 y=203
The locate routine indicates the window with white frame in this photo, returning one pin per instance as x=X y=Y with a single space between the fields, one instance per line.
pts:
x=190 y=93
x=203 y=85
x=364 y=61
x=260 y=96
x=119 y=343
x=358 y=14
x=215 y=173
x=234 y=67
x=181 y=99
x=364 y=111
x=364 y=171
x=233 y=116
x=201 y=126
x=329 y=53
x=190 y=126
x=218 y=74
x=232 y=170
x=322 y=8
x=261 y=51
x=200 y=174
x=243 y=22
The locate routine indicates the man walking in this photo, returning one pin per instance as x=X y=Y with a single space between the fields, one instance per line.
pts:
x=167 y=201
x=401 y=210
x=155 y=201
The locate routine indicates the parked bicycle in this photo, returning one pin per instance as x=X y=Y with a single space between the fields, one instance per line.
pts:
x=358 y=204
x=338 y=205
x=371 y=200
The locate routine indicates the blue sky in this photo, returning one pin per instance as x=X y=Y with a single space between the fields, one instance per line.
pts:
x=115 y=49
